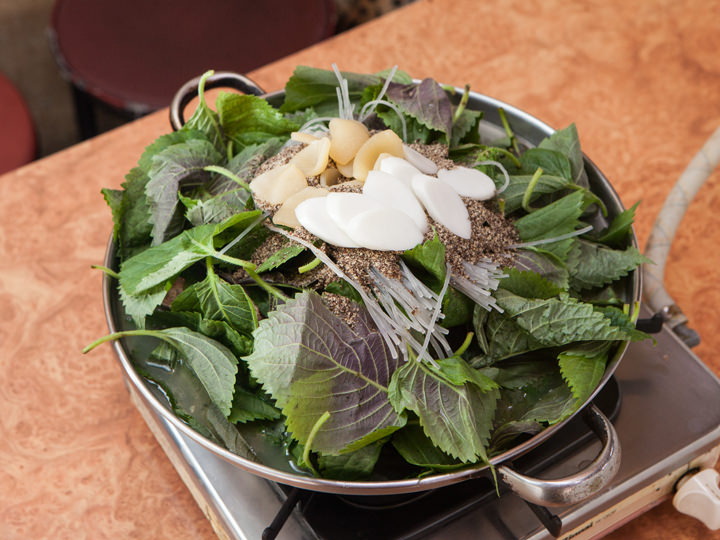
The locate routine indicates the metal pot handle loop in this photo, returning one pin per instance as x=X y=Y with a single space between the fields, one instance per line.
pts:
x=188 y=91
x=580 y=486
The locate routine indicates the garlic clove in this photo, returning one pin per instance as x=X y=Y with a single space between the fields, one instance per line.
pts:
x=384 y=229
x=393 y=192
x=276 y=185
x=312 y=214
x=383 y=142
x=286 y=213
x=346 y=136
x=313 y=159
x=422 y=163
x=303 y=137
x=443 y=204
x=329 y=177
x=346 y=170
x=468 y=182
x=399 y=168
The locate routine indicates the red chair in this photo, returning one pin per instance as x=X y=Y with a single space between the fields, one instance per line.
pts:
x=133 y=55
x=18 y=143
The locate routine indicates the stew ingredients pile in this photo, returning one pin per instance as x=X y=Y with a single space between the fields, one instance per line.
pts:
x=356 y=274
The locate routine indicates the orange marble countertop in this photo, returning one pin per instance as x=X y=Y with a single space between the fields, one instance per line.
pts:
x=640 y=79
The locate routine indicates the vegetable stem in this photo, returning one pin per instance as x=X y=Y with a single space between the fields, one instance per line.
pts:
x=508 y=130
x=250 y=269
x=109 y=271
x=309 y=266
x=529 y=190
x=463 y=103
x=228 y=174
x=311 y=437
x=118 y=335
x=465 y=344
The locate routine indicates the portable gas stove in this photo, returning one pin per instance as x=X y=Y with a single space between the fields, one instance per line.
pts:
x=665 y=406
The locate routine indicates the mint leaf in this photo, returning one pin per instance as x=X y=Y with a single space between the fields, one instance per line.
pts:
x=528 y=284
x=457 y=418
x=280 y=257
x=206 y=120
x=594 y=265
x=221 y=301
x=352 y=465
x=189 y=399
x=618 y=232
x=343 y=288
x=505 y=337
x=567 y=142
x=215 y=209
x=429 y=259
x=465 y=128
x=248 y=120
x=172 y=168
x=556 y=219
x=456 y=371
x=140 y=305
x=426 y=102
x=552 y=163
x=311 y=363
x=415 y=448
x=131 y=230
x=247 y=407
x=239 y=344
x=312 y=87
x=544 y=263
x=515 y=191
x=163 y=142
x=583 y=366
x=558 y=321
x=156 y=265
x=213 y=364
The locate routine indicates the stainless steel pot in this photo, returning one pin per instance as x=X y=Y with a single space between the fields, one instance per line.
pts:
x=530 y=131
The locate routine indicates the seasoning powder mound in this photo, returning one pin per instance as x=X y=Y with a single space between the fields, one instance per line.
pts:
x=437 y=153
x=491 y=235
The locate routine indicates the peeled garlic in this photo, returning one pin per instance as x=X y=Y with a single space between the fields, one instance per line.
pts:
x=303 y=137
x=384 y=229
x=443 y=204
x=394 y=193
x=313 y=159
x=312 y=214
x=468 y=182
x=399 y=168
x=346 y=170
x=276 y=185
x=384 y=142
x=286 y=213
x=423 y=164
x=346 y=136
x=329 y=177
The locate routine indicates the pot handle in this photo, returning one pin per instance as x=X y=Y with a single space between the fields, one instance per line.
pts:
x=189 y=90
x=580 y=486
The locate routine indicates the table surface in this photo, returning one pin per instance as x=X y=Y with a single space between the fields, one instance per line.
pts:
x=640 y=79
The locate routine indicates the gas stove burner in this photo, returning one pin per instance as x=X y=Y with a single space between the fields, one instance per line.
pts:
x=661 y=440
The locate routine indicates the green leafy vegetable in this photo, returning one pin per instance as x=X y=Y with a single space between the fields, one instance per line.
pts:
x=177 y=165
x=456 y=417
x=323 y=383
x=608 y=264
x=311 y=362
